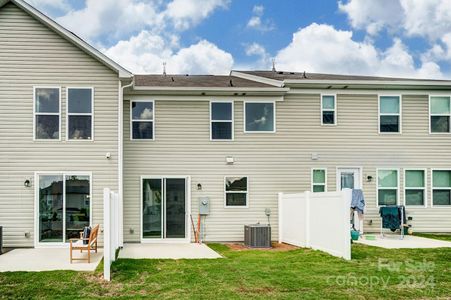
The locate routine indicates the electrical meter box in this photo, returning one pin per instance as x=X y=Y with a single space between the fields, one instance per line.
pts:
x=204 y=205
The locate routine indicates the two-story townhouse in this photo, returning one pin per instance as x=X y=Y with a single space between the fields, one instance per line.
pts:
x=238 y=143
x=73 y=122
x=59 y=124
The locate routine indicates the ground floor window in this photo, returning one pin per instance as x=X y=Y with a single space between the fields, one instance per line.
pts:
x=387 y=186
x=414 y=187
x=236 y=189
x=441 y=187
x=319 y=180
x=64 y=202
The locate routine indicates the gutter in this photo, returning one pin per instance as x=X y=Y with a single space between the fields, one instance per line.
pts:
x=120 y=158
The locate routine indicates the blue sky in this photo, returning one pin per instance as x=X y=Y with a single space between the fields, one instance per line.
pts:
x=409 y=38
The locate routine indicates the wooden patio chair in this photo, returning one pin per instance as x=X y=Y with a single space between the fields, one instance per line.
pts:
x=77 y=244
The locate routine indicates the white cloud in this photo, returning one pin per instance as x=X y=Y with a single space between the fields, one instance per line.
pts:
x=425 y=18
x=263 y=57
x=187 y=13
x=51 y=6
x=146 y=52
x=256 y=21
x=118 y=18
x=431 y=18
x=322 y=48
x=111 y=17
x=372 y=15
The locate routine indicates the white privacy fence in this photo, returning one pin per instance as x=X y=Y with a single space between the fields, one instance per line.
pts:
x=317 y=220
x=111 y=230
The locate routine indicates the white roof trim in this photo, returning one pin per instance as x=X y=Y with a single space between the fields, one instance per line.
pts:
x=210 y=89
x=369 y=82
x=71 y=37
x=256 y=78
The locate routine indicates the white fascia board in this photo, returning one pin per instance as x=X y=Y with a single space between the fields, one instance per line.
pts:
x=368 y=82
x=210 y=89
x=261 y=79
x=71 y=37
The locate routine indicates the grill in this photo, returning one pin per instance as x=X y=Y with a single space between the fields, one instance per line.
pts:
x=257 y=236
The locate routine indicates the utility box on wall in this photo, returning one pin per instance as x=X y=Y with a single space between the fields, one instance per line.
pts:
x=204 y=206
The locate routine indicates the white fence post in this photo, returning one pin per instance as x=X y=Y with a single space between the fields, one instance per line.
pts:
x=106 y=234
x=347 y=198
x=307 y=219
x=280 y=198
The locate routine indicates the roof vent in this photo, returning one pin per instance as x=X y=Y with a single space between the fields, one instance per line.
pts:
x=231 y=82
x=280 y=73
x=172 y=78
x=304 y=75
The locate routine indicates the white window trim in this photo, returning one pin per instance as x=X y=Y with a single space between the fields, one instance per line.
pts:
x=379 y=114
x=236 y=192
x=425 y=189
x=312 y=184
x=431 y=115
x=80 y=114
x=432 y=188
x=232 y=121
x=398 y=200
x=257 y=101
x=334 y=110
x=46 y=114
x=131 y=120
x=64 y=243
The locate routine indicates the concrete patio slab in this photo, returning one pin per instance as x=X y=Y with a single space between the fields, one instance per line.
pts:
x=168 y=251
x=394 y=242
x=46 y=259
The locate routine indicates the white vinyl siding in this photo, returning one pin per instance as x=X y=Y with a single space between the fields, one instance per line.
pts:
x=32 y=55
x=439 y=114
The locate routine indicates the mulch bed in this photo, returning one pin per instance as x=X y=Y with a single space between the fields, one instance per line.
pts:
x=275 y=247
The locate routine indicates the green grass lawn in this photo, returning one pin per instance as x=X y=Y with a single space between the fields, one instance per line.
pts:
x=372 y=273
x=437 y=236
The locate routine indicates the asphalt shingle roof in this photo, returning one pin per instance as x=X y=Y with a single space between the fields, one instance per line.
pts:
x=196 y=81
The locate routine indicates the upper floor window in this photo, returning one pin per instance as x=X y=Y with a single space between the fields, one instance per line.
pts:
x=441 y=187
x=439 y=114
x=80 y=102
x=389 y=114
x=142 y=120
x=319 y=177
x=328 y=110
x=47 y=113
x=221 y=120
x=236 y=189
x=387 y=186
x=414 y=187
x=259 y=117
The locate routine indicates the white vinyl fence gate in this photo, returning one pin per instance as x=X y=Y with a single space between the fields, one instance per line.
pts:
x=319 y=221
x=111 y=230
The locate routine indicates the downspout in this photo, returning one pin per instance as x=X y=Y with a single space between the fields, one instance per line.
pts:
x=120 y=152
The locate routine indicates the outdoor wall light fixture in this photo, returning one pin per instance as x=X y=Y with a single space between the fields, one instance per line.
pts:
x=199 y=187
x=369 y=178
x=27 y=183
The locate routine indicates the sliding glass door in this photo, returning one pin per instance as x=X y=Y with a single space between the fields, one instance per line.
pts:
x=64 y=203
x=164 y=208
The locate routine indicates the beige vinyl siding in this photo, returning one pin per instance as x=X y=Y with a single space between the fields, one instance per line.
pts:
x=281 y=162
x=32 y=55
